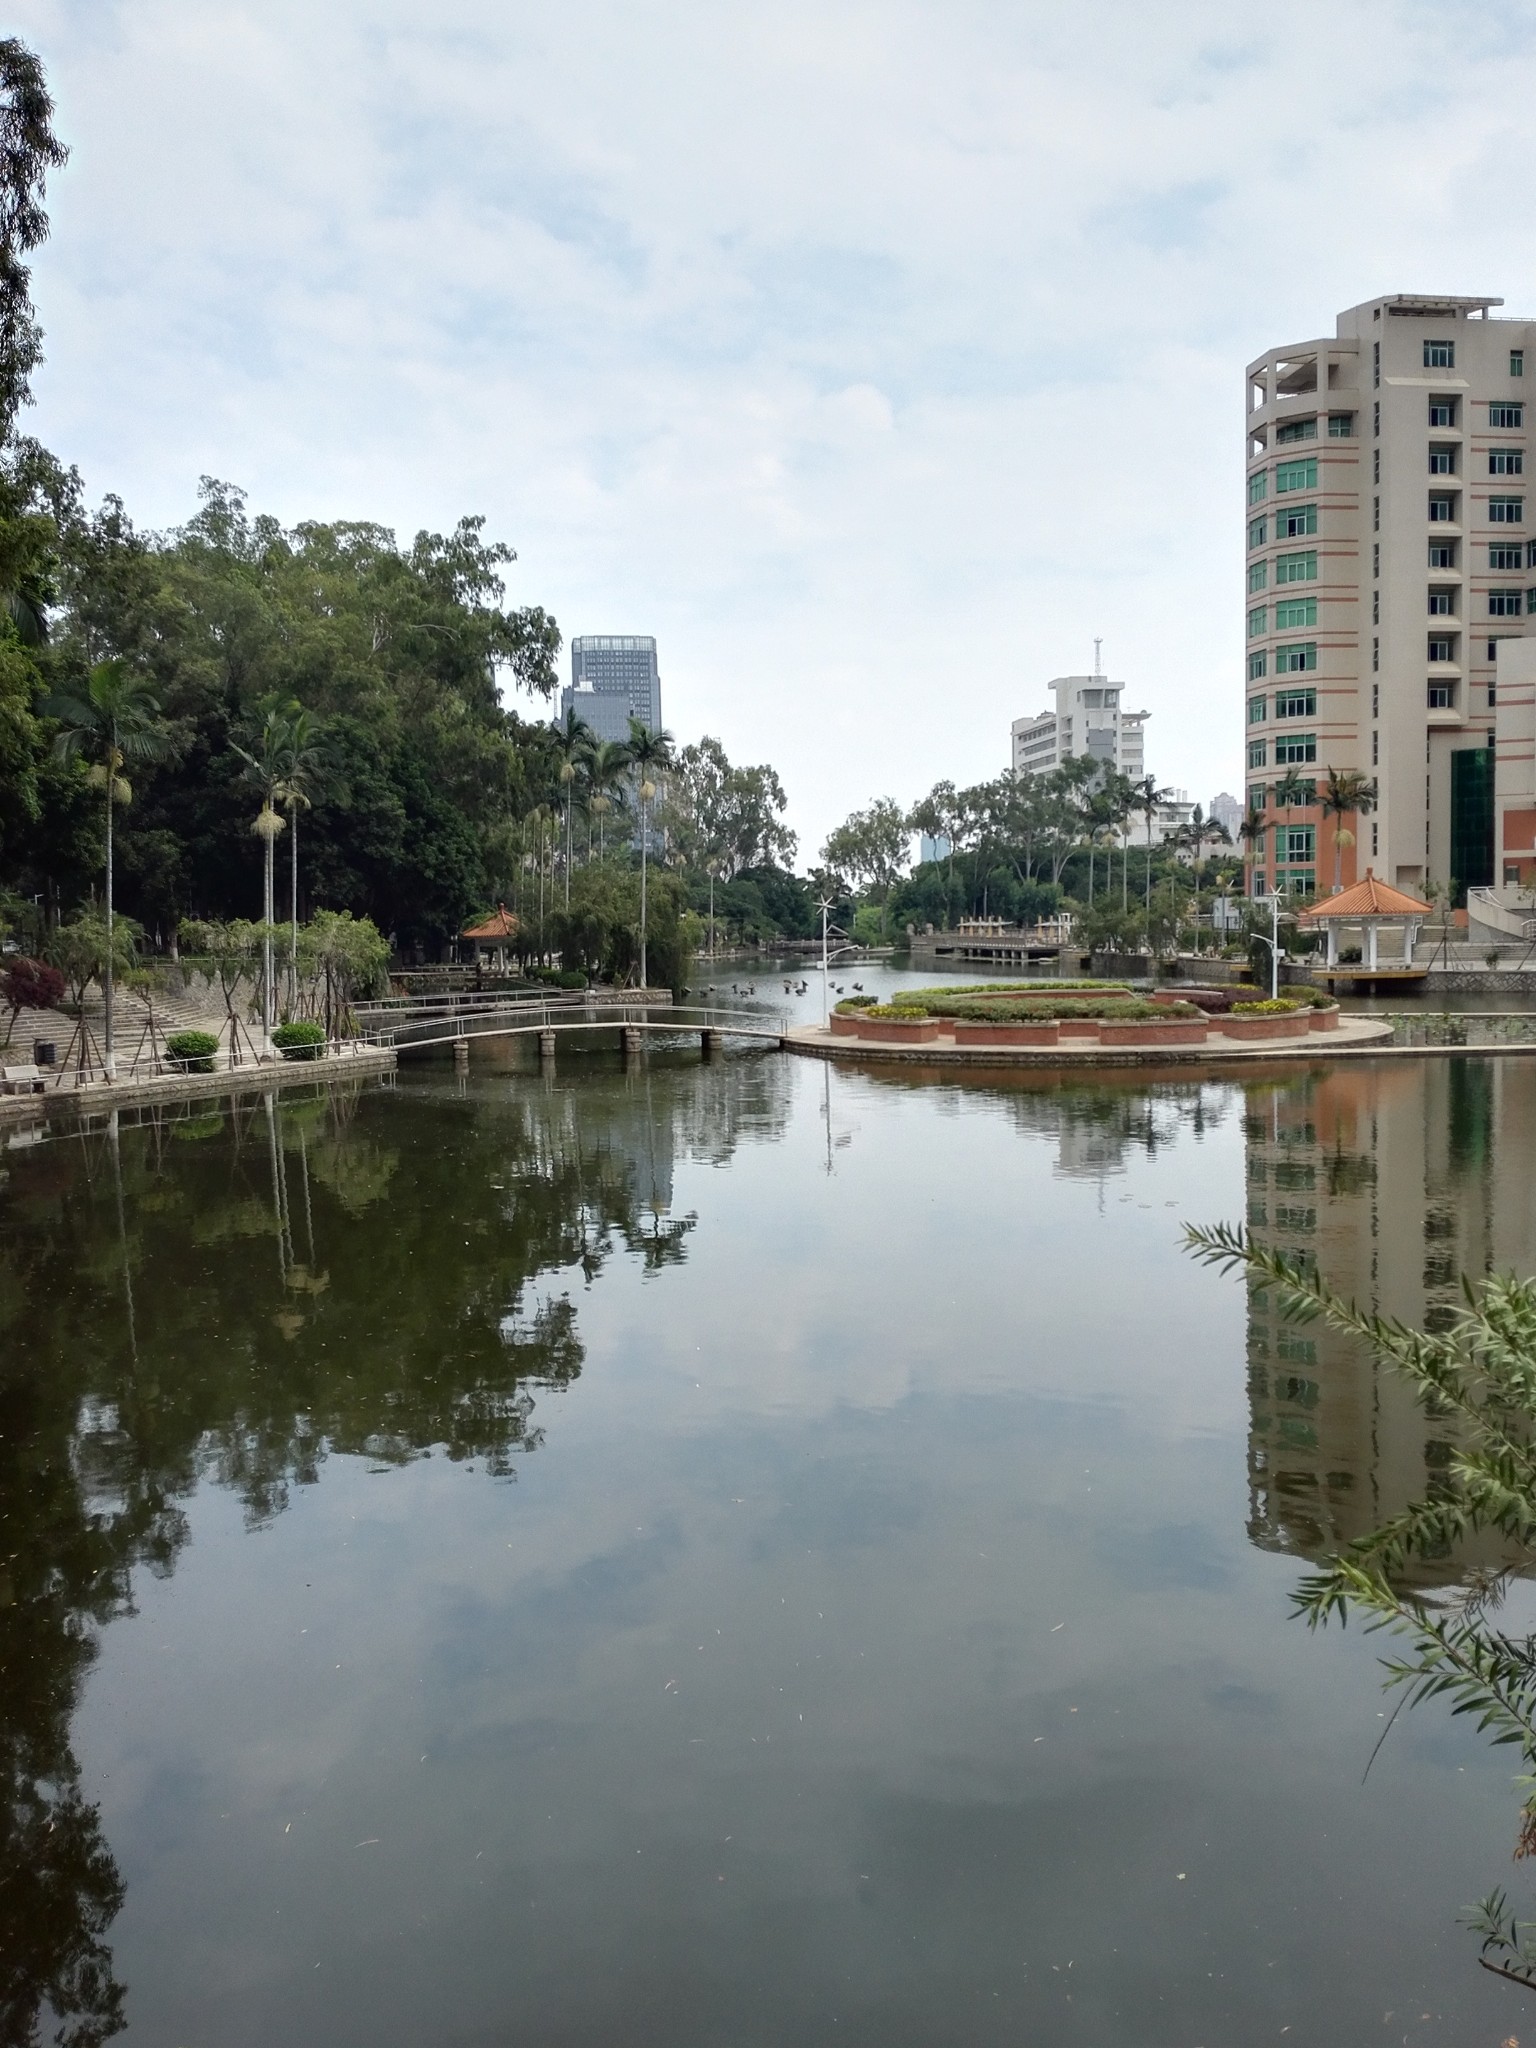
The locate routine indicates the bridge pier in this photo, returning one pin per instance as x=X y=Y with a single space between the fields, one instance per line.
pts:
x=546 y=1045
x=630 y=1039
x=709 y=1043
x=461 y=1055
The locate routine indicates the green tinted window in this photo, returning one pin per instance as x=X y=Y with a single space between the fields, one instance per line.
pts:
x=1295 y=658
x=1296 y=476
x=1296 y=704
x=1296 y=568
x=1295 y=522
x=1295 y=611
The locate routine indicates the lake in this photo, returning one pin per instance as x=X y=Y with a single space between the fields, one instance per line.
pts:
x=730 y=1553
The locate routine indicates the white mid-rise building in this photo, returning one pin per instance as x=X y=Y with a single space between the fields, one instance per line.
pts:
x=1087 y=719
x=1388 y=551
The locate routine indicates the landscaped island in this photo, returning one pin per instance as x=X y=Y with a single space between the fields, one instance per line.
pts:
x=1081 y=1013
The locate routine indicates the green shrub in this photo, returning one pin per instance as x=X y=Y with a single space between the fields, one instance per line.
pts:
x=1317 y=998
x=967 y=991
x=570 y=977
x=1128 y=1009
x=1272 y=1006
x=908 y=1012
x=851 y=1003
x=192 y=1051
x=300 y=1041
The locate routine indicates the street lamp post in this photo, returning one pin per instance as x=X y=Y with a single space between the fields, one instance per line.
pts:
x=1277 y=896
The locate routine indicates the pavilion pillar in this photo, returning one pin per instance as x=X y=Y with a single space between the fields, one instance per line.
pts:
x=1370 y=946
x=1333 y=945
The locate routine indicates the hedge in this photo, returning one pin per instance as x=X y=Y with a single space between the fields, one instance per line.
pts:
x=1272 y=1006
x=192 y=1051
x=300 y=1041
x=968 y=990
x=1127 y=1009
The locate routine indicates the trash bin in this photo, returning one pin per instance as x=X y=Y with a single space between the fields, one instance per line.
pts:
x=44 y=1052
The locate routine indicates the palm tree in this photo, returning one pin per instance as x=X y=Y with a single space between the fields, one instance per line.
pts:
x=265 y=768
x=113 y=719
x=1346 y=793
x=306 y=760
x=1291 y=789
x=574 y=739
x=1251 y=834
x=650 y=754
x=1145 y=797
x=606 y=764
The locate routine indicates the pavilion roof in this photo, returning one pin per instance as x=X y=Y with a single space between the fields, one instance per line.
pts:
x=501 y=924
x=1369 y=898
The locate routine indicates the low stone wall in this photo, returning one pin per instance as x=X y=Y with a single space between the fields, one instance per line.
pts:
x=1485 y=981
x=247 y=1080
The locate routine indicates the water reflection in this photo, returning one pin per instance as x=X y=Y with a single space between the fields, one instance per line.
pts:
x=231 y=1295
x=877 y=1639
x=1396 y=1178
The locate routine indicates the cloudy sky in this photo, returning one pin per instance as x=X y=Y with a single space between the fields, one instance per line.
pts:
x=874 y=358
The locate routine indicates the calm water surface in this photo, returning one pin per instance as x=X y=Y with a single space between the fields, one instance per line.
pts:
x=745 y=1553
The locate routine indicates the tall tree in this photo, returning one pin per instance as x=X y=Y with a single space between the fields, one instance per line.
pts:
x=871 y=847
x=1148 y=797
x=574 y=740
x=1346 y=793
x=650 y=755
x=265 y=763
x=113 y=720
x=607 y=764
x=29 y=150
x=306 y=761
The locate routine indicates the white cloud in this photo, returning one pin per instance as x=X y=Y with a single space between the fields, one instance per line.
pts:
x=874 y=358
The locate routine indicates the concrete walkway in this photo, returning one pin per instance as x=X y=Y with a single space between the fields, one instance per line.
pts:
x=349 y=1063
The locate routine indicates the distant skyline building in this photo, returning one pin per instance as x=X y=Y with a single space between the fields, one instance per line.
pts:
x=1227 y=810
x=1087 y=719
x=614 y=678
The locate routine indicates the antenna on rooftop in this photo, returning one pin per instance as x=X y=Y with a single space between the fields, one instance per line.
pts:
x=1098 y=666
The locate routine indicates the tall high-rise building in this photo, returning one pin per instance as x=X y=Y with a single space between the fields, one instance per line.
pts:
x=1386 y=550
x=614 y=678
x=1087 y=720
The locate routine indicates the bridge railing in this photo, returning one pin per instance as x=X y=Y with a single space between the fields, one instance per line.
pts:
x=678 y=1017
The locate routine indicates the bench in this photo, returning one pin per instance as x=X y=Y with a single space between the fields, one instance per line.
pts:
x=22 y=1080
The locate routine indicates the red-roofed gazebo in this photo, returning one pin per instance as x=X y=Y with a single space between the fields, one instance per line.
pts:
x=1369 y=905
x=495 y=935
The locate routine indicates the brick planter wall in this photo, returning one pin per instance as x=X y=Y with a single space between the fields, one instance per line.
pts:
x=897 y=1031
x=845 y=1024
x=1325 y=1020
x=1298 y=1025
x=1046 y=1032
x=1184 y=1031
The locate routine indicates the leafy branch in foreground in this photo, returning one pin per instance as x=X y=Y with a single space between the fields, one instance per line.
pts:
x=1481 y=1371
x=1508 y=1950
